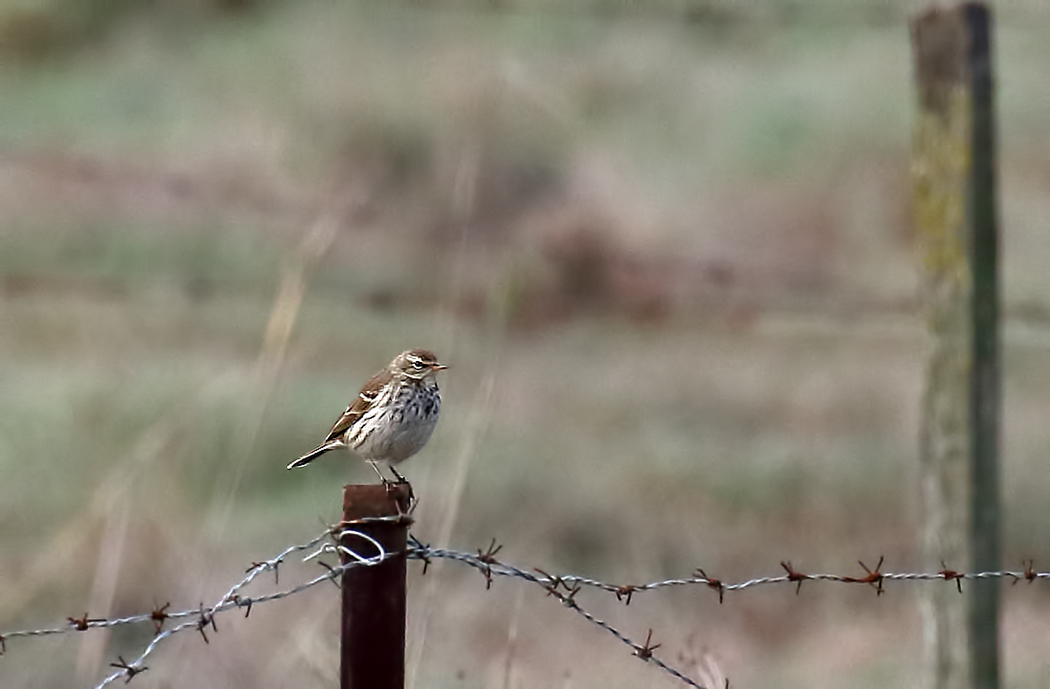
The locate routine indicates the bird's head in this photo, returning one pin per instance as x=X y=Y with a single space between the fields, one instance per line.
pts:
x=416 y=364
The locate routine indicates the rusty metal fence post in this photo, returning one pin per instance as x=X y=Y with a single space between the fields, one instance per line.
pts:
x=372 y=641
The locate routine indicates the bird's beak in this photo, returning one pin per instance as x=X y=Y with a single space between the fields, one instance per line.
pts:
x=438 y=367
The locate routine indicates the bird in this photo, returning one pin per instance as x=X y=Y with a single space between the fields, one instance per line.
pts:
x=392 y=417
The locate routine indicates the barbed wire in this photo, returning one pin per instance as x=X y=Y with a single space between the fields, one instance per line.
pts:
x=203 y=617
x=490 y=567
x=563 y=587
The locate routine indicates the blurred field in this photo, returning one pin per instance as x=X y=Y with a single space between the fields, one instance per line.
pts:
x=666 y=250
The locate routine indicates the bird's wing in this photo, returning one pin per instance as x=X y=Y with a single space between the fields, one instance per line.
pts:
x=360 y=405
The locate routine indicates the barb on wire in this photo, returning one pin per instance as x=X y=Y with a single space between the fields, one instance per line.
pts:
x=624 y=593
x=645 y=651
x=555 y=581
x=203 y=622
x=716 y=584
x=262 y=566
x=951 y=575
x=130 y=670
x=874 y=578
x=795 y=576
x=487 y=558
x=1029 y=572
x=159 y=615
x=82 y=624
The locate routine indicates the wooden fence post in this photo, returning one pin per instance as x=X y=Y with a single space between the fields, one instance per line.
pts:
x=955 y=204
x=372 y=642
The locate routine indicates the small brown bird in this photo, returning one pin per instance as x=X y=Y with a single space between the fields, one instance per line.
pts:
x=393 y=415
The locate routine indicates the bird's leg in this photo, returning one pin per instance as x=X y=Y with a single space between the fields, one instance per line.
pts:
x=375 y=467
x=401 y=480
x=389 y=485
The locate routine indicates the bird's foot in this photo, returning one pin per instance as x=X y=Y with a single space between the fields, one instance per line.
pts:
x=402 y=481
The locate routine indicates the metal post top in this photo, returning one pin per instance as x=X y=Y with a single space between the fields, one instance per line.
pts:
x=375 y=500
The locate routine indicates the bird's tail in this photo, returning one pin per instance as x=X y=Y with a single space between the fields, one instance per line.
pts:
x=314 y=454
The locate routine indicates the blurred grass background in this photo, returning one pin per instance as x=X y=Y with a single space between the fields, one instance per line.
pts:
x=665 y=246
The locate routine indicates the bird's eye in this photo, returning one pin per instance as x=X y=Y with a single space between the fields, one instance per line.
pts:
x=417 y=364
